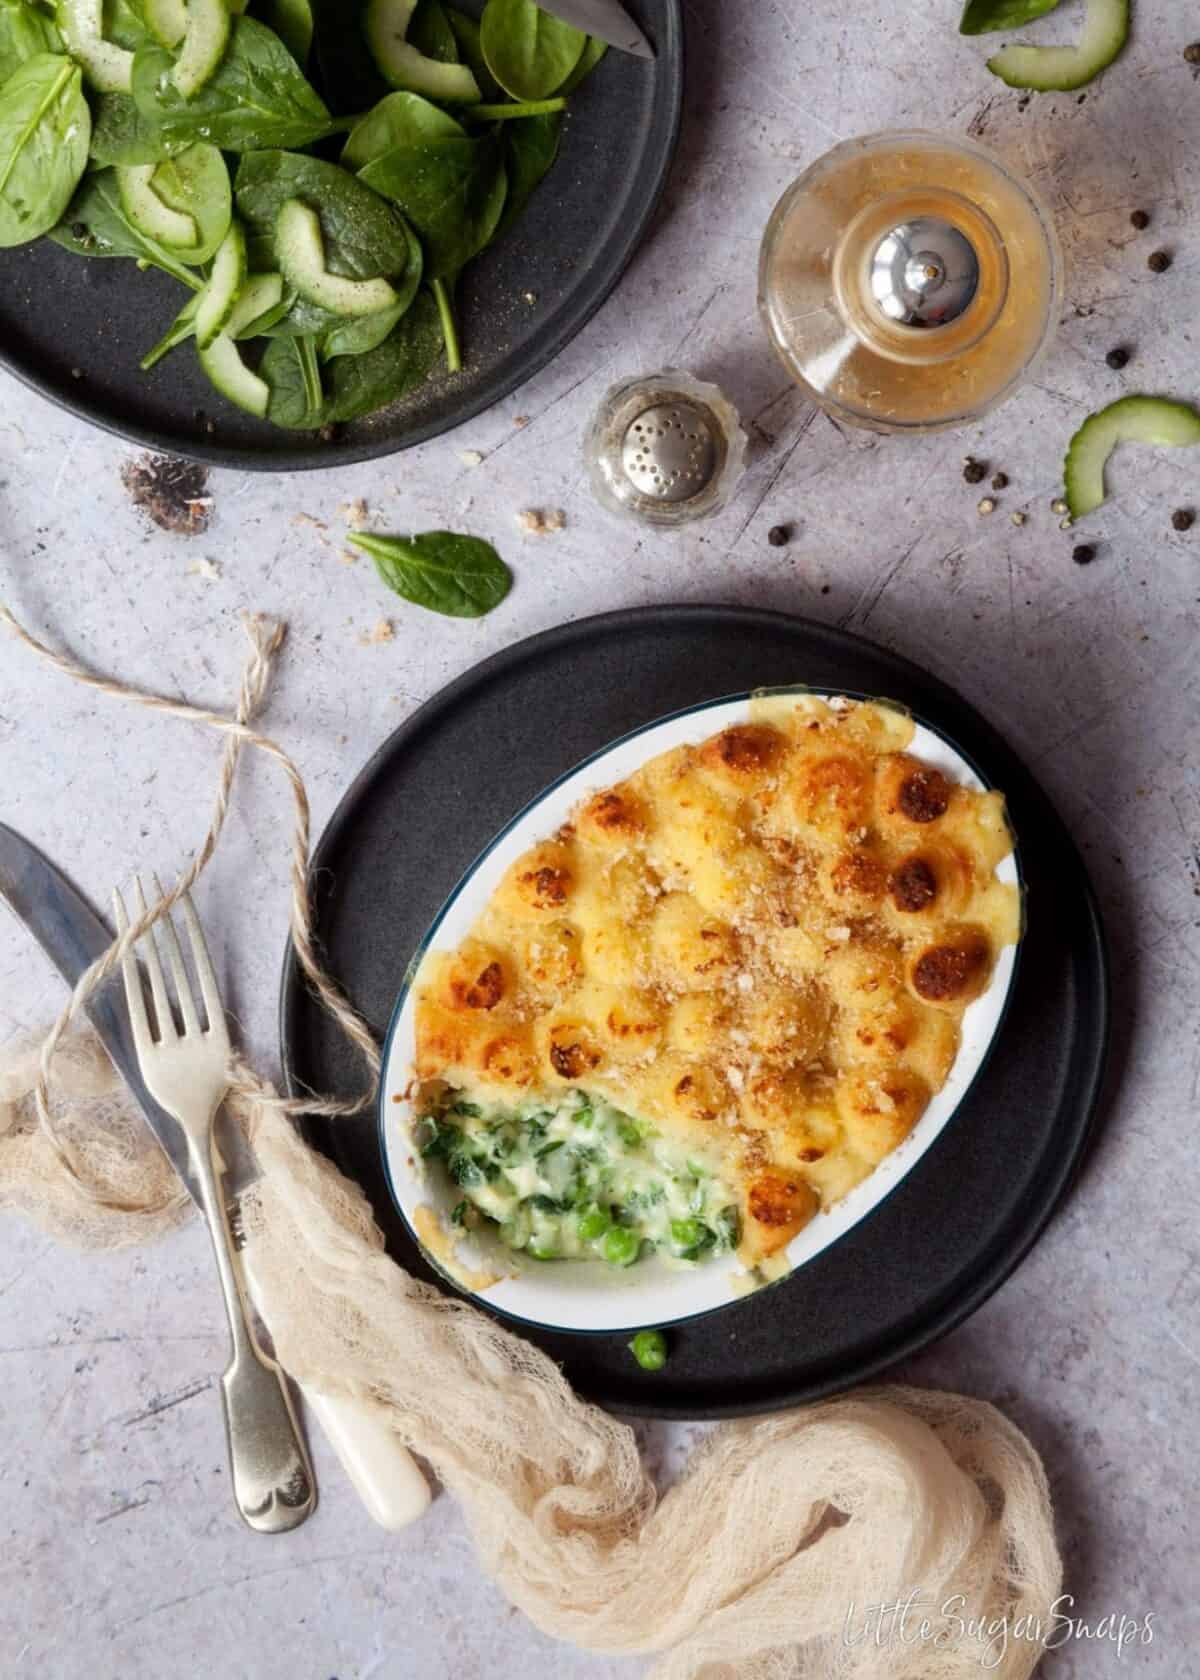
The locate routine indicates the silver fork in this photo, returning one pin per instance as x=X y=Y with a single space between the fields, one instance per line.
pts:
x=187 y=1073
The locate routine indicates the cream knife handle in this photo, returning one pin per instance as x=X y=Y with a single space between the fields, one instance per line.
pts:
x=382 y=1469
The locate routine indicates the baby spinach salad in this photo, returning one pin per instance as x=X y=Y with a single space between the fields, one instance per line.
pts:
x=577 y=1179
x=316 y=175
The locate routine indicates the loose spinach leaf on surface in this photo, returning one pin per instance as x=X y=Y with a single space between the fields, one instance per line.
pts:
x=355 y=385
x=123 y=133
x=292 y=21
x=531 y=147
x=530 y=53
x=592 y=54
x=363 y=234
x=45 y=126
x=470 y=52
x=95 y=225
x=24 y=31
x=451 y=190
x=400 y=119
x=462 y=577
x=256 y=98
x=981 y=17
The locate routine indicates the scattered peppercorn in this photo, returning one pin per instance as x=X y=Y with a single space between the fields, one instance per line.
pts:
x=1059 y=506
x=1158 y=262
x=1000 y=482
x=1018 y=518
x=779 y=536
x=1084 y=554
x=987 y=505
x=1192 y=53
x=1117 y=359
x=974 y=471
x=1140 y=220
x=1183 y=519
x=825 y=588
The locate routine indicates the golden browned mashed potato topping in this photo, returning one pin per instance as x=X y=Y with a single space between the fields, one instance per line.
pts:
x=761 y=947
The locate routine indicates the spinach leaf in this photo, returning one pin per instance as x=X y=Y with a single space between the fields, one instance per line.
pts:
x=181 y=329
x=451 y=190
x=592 y=54
x=470 y=52
x=197 y=183
x=45 y=126
x=257 y=97
x=123 y=133
x=462 y=577
x=355 y=337
x=24 y=31
x=125 y=26
x=292 y=21
x=399 y=119
x=363 y=234
x=983 y=16
x=530 y=53
x=290 y=370
x=531 y=147
x=354 y=384
x=430 y=33
x=95 y=225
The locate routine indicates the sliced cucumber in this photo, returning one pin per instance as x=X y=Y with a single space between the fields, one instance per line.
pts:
x=196 y=183
x=173 y=228
x=167 y=20
x=258 y=297
x=1061 y=69
x=203 y=45
x=300 y=250
x=222 y=362
x=224 y=283
x=1152 y=420
x=108 y=68
x=385 y=25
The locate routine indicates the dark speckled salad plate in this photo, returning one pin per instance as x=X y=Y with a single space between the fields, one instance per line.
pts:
x=961 y=1219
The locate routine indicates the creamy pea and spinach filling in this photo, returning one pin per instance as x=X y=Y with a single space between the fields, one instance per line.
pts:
x=575 y=1178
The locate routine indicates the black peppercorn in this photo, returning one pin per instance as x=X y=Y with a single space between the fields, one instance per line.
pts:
x=1000 y=482
x=974 y=472
x=1117 y=359
x=1183 y=519
x=1192 y=53
x=1140 y=220
x=1084 y=554
x=779 y=536
x=1159 y=262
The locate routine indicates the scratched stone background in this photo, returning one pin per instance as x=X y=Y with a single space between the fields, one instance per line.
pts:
x=121 y=1554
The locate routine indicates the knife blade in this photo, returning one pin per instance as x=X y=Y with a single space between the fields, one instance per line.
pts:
x=73 y=936
x=606 y=19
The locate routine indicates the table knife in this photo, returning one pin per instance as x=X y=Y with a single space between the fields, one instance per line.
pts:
x=607 y=20
x=73 y=937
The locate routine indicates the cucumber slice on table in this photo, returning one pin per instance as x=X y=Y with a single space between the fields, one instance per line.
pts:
x=203 y=45
x=224 y=284
x=1153 y=420
x=173 y=228
x=385 y=25
x=300 y=251
x=1060 y=69
x=167 y=20
x=107 y=67
x=222 y=362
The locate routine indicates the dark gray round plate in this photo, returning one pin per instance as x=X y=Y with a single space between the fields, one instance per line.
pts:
x=75 y=328
x=947 y=1237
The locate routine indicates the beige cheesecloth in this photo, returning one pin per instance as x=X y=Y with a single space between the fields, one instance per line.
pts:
x=774 y=1555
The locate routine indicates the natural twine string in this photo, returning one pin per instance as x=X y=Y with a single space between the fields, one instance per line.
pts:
x=266 y=637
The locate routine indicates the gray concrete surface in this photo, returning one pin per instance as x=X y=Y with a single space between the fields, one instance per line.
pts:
x=121 y=1553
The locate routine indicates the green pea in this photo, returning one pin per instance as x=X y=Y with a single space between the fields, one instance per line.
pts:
x=649 y=1348
x=621 y=1247
x=686 y=1233
x=593 y=1223
x=538 y=1250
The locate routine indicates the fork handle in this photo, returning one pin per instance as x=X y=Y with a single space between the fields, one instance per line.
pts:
x=273 y=1480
